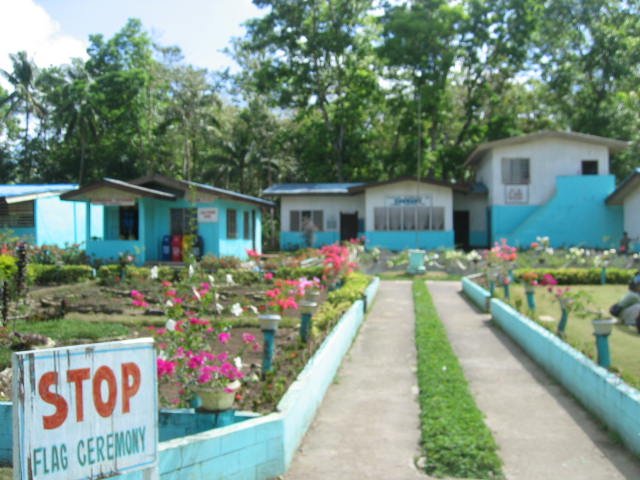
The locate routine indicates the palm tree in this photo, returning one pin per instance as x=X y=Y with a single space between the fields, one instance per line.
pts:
x=24 y=98
x=78 y=111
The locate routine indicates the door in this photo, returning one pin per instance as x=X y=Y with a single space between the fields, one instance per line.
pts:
x=348 y=226
x=461 y=228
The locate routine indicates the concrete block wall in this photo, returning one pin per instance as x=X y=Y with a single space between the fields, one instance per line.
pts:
x=478 y=295
x=601 y=392
x=255 y=448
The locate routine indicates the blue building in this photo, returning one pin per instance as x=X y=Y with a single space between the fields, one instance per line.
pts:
x=149 y=217
x=554 y=184
x=547 y=183
x=36 y=214
x=397 y=214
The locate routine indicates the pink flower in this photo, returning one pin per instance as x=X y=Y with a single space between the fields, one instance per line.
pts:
x=224 y=337
x=273 y=293
x=165 y=367
x=548 y=279
x=248 y=338
x=268 y=276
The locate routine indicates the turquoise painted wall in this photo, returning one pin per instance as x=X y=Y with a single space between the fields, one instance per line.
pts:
x=256 y=448
x=295 y=240
x=57 y=222
x=397 y=241
x=505 y=219
x=236 y=247
x=478 y=239
x=478 y=295
x=26 y=234
x=155 y=222
x=575 y=215
x=601 y=392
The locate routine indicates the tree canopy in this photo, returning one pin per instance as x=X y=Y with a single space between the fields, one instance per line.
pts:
x=329 y=90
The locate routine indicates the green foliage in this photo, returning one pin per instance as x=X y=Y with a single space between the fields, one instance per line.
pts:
x=8 y=267
x=67 y=330
x=57 y=274
x=339 y=300
x=455 y=440
x=581 y=276
x=299 y=272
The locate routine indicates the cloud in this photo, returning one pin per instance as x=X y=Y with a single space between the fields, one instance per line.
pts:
x=24 y=25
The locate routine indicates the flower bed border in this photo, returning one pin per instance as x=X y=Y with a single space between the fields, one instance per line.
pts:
x=603 y=393
x=257 y=448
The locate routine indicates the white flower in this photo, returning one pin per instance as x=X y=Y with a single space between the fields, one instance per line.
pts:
x=233 y=386
x=171 y=325
x=229 y=279
x=254 y=309
x=237 y=362
x=169 y=303
x=212 y=280
x=196 y=293
x=153 y=273
x=191 y=270
x=236 y=309
x=219 y=308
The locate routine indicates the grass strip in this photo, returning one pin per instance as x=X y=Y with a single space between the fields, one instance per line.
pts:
x=455 y=439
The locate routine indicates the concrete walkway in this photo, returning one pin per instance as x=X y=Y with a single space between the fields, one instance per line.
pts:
x=542 y=432
x=368 y=424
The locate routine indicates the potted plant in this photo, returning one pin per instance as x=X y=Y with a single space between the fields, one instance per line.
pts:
x=530 y=280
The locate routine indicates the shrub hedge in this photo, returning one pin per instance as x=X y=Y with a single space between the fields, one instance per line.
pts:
x=581 y=276
x=38 y=274
x=455 y=440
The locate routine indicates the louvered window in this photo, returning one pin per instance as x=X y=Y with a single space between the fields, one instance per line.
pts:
x=17 y=215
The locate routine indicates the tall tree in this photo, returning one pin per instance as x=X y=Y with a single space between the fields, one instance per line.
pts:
x=24 y=100
x=316 y=56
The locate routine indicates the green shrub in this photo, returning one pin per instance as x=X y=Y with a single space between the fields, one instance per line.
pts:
x=581 y=276
x=57 y=274
x=8 y=267
x=354 y=286
x=455 y=440
x=299 y=272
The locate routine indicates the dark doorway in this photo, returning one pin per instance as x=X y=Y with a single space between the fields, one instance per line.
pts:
x=461 y=228
x=348 y=226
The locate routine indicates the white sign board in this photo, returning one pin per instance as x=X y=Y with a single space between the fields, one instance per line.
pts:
x=516 y=194
x=207 y=215
x=407 y=201
x=87 y=411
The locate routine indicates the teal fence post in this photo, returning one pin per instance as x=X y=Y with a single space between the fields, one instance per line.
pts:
x=563 y=322
x=531 y=300
x=602 y=344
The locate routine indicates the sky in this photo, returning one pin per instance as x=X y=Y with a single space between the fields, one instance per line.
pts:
x=54 y=31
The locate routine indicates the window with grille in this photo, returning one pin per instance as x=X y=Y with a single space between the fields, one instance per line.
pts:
x=515 y=171
x=17 y=215
x=589 y=167
x=408 y=218
x=184 y=221
x=299 y=219
x=232 y=223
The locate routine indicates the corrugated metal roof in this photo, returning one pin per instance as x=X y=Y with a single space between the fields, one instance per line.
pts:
x=280 y=189
x=8 y=191
x=627 y=186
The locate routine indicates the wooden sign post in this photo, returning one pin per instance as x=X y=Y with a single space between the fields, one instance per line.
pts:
x=87 y=411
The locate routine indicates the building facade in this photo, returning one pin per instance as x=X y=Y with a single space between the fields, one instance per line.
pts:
x=154 y=218
x=36 y=214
